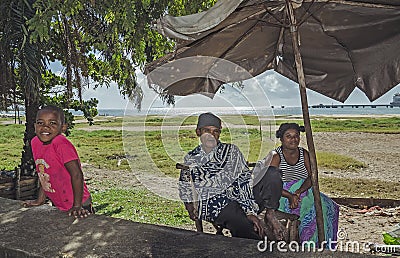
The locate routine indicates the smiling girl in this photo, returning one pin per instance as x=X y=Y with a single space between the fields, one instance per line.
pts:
x=58 y=166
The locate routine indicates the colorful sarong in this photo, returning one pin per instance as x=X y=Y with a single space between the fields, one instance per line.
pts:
x=306 y=211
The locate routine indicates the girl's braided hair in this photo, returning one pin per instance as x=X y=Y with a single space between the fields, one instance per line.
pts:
x=54 y=109
x=286 y=126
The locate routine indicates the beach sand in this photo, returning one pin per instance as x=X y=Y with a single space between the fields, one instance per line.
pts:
x=381 y=153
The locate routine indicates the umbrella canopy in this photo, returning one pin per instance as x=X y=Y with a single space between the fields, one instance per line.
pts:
x=343 y=44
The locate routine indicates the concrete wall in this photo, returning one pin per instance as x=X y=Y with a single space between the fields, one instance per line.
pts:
x=46 y=232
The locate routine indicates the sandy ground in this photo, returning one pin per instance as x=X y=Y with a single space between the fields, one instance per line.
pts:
x=381 y=152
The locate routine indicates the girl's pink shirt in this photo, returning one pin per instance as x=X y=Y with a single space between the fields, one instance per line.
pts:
x=53 y=175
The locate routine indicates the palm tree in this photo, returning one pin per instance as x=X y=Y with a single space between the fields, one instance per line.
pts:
x=22 y=63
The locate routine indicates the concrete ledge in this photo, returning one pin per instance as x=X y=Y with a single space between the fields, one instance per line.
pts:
x=46 y=232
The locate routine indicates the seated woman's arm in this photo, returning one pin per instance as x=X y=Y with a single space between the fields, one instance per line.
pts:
x=307 y=183
x=293 y=198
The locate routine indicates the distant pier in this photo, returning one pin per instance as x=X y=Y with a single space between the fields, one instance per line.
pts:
x=353 y=106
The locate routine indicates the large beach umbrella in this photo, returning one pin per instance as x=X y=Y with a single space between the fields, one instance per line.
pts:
x=329 y=46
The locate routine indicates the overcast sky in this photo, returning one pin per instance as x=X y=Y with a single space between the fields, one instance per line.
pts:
x=267 y=89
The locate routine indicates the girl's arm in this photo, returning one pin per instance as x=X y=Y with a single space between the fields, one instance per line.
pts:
x=75 y=171
x=39 y=200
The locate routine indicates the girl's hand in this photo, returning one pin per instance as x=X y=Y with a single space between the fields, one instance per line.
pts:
x=78 y=212
x=30 y=203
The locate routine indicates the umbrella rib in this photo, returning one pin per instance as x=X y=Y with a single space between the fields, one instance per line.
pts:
x=307 y=14
x=273 y=24
x=232 y=25
x=266 y=9
x=273 y=15
x=278 y=24
x=227 y=27
x=277 y=49
x=355 y=3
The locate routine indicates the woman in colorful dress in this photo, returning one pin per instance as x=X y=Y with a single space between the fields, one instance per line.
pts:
x=297 y=196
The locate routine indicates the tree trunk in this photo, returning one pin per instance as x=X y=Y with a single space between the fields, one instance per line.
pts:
x=31 y=108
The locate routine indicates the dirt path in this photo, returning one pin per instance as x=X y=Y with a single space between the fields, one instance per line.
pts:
x=381 y=153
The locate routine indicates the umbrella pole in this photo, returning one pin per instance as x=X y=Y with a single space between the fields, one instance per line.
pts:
x=307 y=123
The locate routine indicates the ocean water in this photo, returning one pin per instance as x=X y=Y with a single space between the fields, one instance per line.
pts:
x=276 y=111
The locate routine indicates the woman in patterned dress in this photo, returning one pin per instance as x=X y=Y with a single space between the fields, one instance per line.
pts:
x=297 y=196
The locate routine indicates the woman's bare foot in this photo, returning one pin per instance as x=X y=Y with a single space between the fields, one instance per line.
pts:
x=273 y=223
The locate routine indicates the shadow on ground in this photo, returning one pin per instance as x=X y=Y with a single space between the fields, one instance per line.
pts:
x=46 y=232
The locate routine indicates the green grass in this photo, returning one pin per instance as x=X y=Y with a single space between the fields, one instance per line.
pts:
x=11 y=144
x=106 y=121
x=337 y=161
x=353 y=124
x=192 y=120
x=101 y=148
x=368 y=125
x=138 y=204
x=318 y=124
